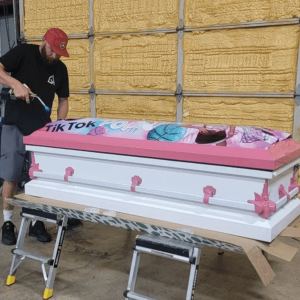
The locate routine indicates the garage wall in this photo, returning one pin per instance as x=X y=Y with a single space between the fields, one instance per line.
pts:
x=222 y=62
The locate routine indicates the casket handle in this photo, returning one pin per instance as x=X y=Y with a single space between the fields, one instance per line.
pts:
x=69 y=172
x=34 y=167
x=135 y=181
x=293 y=182
x=209 y=191
x=282 y=192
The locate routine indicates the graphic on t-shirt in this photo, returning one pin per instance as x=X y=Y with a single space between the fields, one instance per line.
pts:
x=51 y=80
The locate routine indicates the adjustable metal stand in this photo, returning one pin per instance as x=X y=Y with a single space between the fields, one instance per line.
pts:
x=168 y=248
x=19 y=254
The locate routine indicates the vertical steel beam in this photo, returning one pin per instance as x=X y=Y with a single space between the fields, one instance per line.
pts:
x=181 y=14
x=93 y=105
x=296 y=122
x=92 y=89
x=92 y=47
x=91 y=10
x=16 y=21
x=179 y=111
x=180 y=32
x=21 y=14
x=179 y=77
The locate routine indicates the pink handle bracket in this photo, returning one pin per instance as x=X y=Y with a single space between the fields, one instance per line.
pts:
x=282 y=192
x=34 y=167
x=293 y=182
x=209 y=191
x=135 y=181
x=69 y=172
x=263 y=206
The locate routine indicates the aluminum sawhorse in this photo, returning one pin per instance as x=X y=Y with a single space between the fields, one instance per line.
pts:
x=168 y=248
x=19 y=254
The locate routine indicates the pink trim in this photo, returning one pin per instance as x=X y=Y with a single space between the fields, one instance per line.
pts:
x=263 y=206
x=136 y=181
x=282 y=192
x=271 y=159
x=293 y=182
x=34 y=167
x=69 y=172
x=209 y=191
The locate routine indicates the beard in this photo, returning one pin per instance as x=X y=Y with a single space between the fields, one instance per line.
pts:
x=46 y=59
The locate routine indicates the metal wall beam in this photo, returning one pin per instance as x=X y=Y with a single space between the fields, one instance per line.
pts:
x=92 y=50
x=180 y=59
x=246 y=25
x=70 y=36
x=136 y=93
x=83 y=92
x=137 y=32
x=239 y=95
x=296 y=125
x=16 y=20
x=188 y=94
x=21 y=14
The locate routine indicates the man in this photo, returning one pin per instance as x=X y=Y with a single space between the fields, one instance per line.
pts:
x=40 y=69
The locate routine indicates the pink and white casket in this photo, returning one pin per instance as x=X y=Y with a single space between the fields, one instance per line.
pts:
x=231 y=179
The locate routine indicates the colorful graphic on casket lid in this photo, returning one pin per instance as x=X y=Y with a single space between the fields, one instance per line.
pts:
x=100 y=130
x=167 y=133
x=216 y=135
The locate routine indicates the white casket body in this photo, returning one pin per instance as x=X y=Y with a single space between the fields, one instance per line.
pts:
x=189 y=193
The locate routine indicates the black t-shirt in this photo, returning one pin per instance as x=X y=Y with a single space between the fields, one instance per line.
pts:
x=26 y=65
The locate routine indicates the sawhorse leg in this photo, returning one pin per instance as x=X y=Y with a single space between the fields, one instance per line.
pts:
x=19 y=254
x=167 y=248
x=17 y=259
x=49 y=281
x=133 y=272
x=193 y=274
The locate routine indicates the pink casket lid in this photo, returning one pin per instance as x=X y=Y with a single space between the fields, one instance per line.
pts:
x=272 y=158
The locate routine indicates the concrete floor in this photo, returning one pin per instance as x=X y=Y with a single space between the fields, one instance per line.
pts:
x=95 y=264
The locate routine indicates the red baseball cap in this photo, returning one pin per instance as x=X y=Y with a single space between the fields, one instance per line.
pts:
x=58 y=41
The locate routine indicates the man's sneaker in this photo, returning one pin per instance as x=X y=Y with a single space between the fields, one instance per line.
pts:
x=8 y=233
x=38 y=230
x=74 y=222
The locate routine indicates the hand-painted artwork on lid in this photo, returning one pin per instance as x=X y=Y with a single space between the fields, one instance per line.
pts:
x=214 y=135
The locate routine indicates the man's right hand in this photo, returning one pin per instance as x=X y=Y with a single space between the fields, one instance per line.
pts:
x=21 y=92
